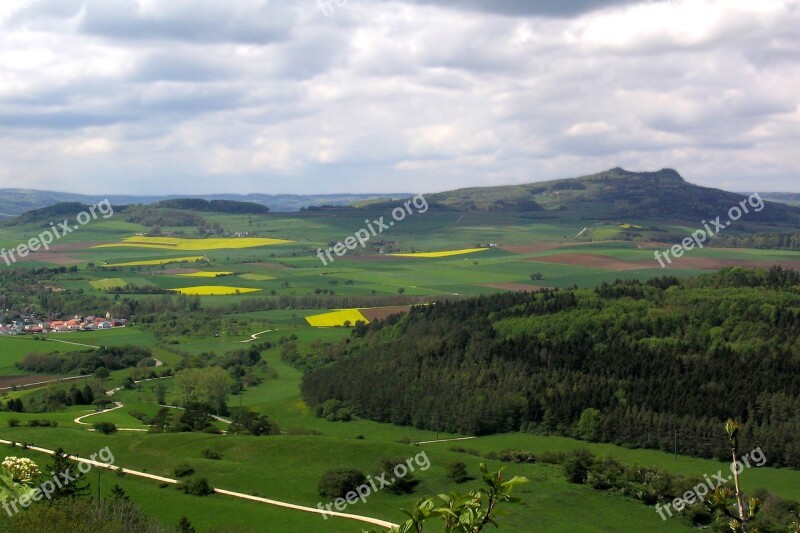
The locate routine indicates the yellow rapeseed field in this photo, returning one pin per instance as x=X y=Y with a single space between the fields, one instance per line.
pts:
x=206 y=274
x=336 y=318
x=447 y=253
x=175 y=243
x=214 y=290
x=156 y=262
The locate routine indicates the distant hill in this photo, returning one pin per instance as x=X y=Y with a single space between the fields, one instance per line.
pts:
x=19 y=201
x=169 y=212
x=791 y=198
x=614 y=193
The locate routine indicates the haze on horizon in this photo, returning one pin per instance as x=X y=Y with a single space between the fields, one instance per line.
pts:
x=368 y=96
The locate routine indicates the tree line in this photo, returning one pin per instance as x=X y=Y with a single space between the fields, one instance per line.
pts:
x=662 y=362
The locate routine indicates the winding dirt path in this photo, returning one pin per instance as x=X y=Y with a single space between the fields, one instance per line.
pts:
x=443 y=440
x=254 y=336
x=277 y=503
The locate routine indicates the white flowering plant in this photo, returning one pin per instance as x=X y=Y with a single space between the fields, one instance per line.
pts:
x=16 y=476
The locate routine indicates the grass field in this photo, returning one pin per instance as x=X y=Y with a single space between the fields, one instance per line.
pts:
x=108 y=283
x=282 y=262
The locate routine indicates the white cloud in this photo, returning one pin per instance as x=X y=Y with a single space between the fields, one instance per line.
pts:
x=268 y=96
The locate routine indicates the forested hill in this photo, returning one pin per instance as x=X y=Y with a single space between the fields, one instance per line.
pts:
x=614 y=193
x=629 y=363
x=19 y=201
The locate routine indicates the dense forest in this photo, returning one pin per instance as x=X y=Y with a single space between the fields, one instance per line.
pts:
x=778 y=241
x=654 y=364
x=215 y=206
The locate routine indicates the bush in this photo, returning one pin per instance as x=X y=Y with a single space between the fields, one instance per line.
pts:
x=42 y=423
x=337 y=483
x=195 y=487
x=552 y=458
x=106 y=428
x=143 y=417
x=401 y=485
x=83 y=514
x=13 y=422
x=211 y=454
x=516 y=456
x=334 y=411
x=458 y=472
x=183 y=470
x=469 y=451
x=577 y=464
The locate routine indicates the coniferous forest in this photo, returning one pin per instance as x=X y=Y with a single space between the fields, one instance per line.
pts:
x=643 y=364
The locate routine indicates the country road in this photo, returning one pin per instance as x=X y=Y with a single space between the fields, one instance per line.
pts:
x=276 y=503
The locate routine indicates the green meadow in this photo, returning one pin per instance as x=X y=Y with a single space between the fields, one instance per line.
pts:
x=288 y=466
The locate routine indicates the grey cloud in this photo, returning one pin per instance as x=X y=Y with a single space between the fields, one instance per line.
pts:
x=529 y=8
x=276 y=95
x=185 y=67
x=61 y=120
x=253 y=21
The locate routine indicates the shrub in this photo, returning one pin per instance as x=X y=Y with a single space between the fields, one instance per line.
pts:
x=195 y=487
x=516 y=456
x=577 y=464
x=334 y=411
x=457 y=471
x=553 y=458
x=469 y=451
x=401 y=485
x=106 y=428
x=183 y=470
x=13 y=422
x=211 y=454
x=42 y=423
x=337 y=483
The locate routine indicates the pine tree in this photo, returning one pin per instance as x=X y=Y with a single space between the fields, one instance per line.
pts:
x=69 y=484
x=184 y=526
x=118 y=494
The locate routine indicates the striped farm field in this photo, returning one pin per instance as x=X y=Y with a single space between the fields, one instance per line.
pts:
x=108 y=283
x=206 y=274
x=336 y=318
x=447 y=253
x=214 y=290
x=257 y=277
x=156 y=262
x=174 y=243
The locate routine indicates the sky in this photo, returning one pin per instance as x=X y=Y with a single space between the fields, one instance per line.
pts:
x=371 y=96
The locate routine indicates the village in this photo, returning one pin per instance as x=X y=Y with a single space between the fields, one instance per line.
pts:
x=34 y=325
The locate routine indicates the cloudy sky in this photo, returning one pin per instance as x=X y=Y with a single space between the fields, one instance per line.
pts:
x=300 y=96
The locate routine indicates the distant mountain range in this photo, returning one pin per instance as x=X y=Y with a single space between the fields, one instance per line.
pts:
x=791 y=198
x=618 y=193
x=18 y=201
x=615 y=193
